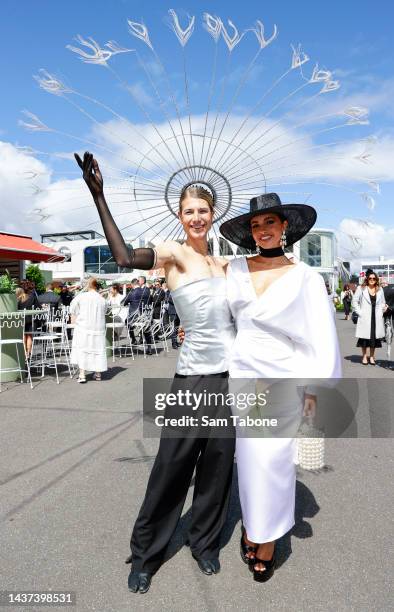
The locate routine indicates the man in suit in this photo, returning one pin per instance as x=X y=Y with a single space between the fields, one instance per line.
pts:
x=137 y=299
x=173 y=316
x=157 y=298
x=66 y=297
x=49 y=298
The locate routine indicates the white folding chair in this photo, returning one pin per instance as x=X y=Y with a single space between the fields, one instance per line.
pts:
x=139 y=324
x=166 y=333
x=116 y=325
x=49 y=345
x=58 y=325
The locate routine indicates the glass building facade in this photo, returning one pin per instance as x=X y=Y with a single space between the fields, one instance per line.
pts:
x=317 y=249
x=99 y=260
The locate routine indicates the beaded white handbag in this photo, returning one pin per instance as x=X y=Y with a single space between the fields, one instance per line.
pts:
x=310 y=447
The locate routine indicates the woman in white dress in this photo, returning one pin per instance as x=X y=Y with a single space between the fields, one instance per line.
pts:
x=114 y=299
x=285 y=329
x=119 y=313
x=88 y=350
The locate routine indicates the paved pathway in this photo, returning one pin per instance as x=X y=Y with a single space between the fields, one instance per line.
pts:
x=73 y=471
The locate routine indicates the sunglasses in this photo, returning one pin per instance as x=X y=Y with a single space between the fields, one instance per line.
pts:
x=372 y=278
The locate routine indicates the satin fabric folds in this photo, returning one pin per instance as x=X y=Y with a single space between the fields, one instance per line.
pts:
x=287 y=332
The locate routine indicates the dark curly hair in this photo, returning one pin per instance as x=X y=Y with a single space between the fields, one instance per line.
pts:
x=369 y=273
x=27 y=285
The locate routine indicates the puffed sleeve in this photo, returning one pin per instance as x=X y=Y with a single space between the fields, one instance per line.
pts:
x=320 y=334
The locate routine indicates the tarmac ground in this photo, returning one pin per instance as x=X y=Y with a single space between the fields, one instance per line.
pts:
x=73 y=472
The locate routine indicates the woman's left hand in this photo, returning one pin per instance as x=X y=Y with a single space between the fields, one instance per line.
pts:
x=310 y=404
x=181 y=334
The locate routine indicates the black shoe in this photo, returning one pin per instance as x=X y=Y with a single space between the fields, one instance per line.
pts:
x=245 y=549
x=139 y=582
x=149 y=352
x=175 y=346
x=208 y=566
x=267 y=573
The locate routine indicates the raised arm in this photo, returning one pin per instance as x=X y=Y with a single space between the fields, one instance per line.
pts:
x=126 y=257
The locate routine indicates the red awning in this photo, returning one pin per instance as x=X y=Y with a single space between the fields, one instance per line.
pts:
x=13 y=246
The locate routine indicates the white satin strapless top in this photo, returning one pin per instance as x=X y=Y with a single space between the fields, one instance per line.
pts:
x=209 y=332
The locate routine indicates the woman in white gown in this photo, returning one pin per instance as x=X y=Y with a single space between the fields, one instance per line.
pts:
x=88 y=349
x=285 y=329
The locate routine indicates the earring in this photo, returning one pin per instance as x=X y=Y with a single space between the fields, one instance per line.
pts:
x=258 y=250
x=283 y=240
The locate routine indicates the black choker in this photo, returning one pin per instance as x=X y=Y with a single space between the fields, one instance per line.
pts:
x=277 y=252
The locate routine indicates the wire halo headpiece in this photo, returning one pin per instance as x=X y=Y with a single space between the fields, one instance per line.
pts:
x=277 y=143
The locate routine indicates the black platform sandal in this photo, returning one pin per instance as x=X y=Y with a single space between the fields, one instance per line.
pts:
x=267 y=573
x=244 y=549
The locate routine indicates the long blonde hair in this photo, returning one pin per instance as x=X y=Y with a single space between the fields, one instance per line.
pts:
x=24 y=290
x=20 y=294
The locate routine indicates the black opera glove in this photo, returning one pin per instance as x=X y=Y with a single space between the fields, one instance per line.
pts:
x=141 y=258
x=125 y=256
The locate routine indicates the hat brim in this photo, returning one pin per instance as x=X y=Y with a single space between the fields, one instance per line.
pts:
x=300 y=217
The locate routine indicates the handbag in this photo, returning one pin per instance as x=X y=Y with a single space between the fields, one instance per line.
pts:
x=354 y=317
x=310 y=447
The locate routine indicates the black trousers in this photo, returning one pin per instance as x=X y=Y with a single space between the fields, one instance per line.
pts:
x=212 y=458
x=347 y=305
x=147 y=334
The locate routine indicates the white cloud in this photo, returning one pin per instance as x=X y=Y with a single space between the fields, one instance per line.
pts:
x=33 y=202
x=359 y=240
x=266 y=146
x=17 y=171
x=288 y=157
x=139 y=93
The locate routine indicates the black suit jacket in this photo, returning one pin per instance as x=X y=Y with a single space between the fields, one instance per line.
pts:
x=51 y=298
x=171 y=305
x=136 y=299
x=156 y=300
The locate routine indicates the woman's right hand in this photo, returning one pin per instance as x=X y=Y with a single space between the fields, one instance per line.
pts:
x=91 y=173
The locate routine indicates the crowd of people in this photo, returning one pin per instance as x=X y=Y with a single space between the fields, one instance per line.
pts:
x=370 y=306
x=29 y=299
x=88 y=309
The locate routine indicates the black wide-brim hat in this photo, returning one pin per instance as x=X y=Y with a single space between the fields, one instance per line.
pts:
x=300 y=217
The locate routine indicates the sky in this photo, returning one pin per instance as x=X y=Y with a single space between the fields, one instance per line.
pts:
x=294 y=141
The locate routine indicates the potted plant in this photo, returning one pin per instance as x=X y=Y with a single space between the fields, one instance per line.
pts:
x=7 y=293
x=33 y=273
x=10 y=358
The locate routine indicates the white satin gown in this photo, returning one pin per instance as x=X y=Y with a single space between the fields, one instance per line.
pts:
x=287 y=332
